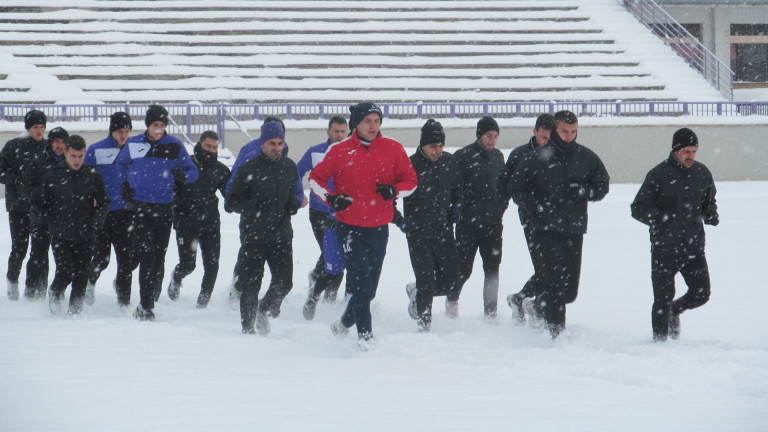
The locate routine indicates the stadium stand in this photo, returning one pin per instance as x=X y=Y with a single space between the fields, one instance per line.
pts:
x=245 y=52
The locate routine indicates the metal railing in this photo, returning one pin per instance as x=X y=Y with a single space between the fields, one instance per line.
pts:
x=192 y=119
x=684 y=44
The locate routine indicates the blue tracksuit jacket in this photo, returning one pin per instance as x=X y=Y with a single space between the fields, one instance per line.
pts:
x=148 y=167
x=102 y=155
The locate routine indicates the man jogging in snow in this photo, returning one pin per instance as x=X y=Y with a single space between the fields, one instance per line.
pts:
x=32 y=179
x=153 y=162
x=545 y=123
x=326 y=277
x=482 y=169
x=196 y=218
x=16 y=157
x=430 y=214
x=369 y=171
x=676 y=199
x=118 y=228
x=262 y=192
x=74 y=203
x=553 y=184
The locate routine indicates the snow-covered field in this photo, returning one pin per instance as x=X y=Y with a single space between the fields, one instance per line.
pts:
x=193 y=370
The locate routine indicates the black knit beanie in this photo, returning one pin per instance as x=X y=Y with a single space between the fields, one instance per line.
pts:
x=684 y=138
x=360 y=111
x=431 y=133
x=57 y=132
x=486 y=124
x=156 y=113
x=34 y=117
x=120 y=120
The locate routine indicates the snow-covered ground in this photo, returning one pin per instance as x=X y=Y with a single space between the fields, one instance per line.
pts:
x=192 y=370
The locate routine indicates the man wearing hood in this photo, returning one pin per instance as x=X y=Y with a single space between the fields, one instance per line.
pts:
x=676 y=199
x=196 y=218
x=553 y=184
x=32 y=179
x=118 y=228
x=15 y=158
x=482 y=169
x=262 y=192
x=153 y=162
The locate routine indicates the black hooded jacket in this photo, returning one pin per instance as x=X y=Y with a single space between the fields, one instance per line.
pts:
x=15 y=159
x=195 y=204
x=543 y=185
x=72 y=202
x=431 y=206
x=482 y=171
x=675 y=202
x=515 y=156
x=262 y=192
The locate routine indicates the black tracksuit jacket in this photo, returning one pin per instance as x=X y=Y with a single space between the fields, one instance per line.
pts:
x=542 y=186
x=430 y=207
x=482 y=172
x=72 y=202
x=262 y=192
x=686 y=196
x=15 y=159
x=195 y=205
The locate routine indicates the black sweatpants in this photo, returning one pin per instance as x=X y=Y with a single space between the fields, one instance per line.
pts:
x=560 y=264
x=37 y=265
x=153 y=231
x=434 y=263
x=188 y=237
x=530 y=289
x=470 y=238
x=323 y=280
x=279 y=257
x=695 y=272
x=72 y=263
x=118 y=233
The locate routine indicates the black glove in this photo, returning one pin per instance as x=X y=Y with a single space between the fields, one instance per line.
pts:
x=578 y=192
x=127 y=191
x=405 y=224
x=455 y=215
x=131 y=206
x=292 y=206
x=338 y=202
x=178 y=179
x=387 y=192
x=712 y=219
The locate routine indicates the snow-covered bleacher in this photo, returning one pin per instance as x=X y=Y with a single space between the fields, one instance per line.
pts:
x=308 y=51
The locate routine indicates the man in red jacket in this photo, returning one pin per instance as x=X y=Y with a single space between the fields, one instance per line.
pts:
x=369 y=171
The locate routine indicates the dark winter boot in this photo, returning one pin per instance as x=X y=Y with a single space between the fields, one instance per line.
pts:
x=424 y=321
x=142 y=314
x=202 y=300
x=674 y=323
x=174 y=288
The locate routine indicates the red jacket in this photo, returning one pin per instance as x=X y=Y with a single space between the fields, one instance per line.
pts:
x=355 y=170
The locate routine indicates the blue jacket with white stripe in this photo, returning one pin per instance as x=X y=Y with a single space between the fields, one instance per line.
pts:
x=148 y=166
x=102 y=156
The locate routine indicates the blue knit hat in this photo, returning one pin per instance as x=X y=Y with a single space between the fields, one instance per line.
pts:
x=271 y=130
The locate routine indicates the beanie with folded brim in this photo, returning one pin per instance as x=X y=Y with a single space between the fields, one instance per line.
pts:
x=156 y=113
x=432 y=133
x=684 y=138
x=362 y=110
x=271 y=130
x=33 y=118
x=486 y=124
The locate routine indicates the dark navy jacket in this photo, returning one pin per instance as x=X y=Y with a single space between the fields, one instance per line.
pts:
x=311 y=158
x=148 y=167
x=102 y=155
x=15 y=158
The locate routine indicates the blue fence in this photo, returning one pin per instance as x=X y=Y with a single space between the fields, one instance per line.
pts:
x=191 y=120
x=684 y=44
